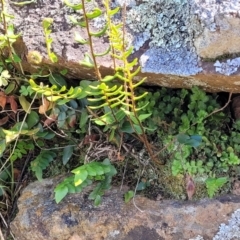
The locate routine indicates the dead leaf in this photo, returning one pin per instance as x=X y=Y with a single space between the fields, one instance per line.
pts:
x=4 y=120
x=120 y=157
x=3 y=100
x=50 y=119
x=44 y=107
x=16 y=174
x=72 y=120
x=13 y=103
x=190 y=187
x=91 y=138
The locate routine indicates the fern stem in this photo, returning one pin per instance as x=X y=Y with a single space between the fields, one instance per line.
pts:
x=98 y=74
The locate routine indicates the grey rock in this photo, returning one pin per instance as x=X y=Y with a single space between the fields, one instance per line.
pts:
x=172 y=39
x=40 y=218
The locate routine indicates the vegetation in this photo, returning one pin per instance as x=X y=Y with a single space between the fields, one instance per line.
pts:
x=90 y=128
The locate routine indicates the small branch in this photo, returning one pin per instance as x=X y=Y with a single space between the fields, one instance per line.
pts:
x=218 y=110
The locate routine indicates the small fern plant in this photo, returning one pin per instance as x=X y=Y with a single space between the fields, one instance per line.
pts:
x=114 y=94
x=112 y=99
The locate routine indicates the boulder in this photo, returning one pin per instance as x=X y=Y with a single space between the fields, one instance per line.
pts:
x=178 y=43
x=76 y=218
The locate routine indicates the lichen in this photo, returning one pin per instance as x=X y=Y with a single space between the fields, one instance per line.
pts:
x=211 y=12
x=168 y=27
x=177 y=61
x=231 y=230
x=165 y=22
x=228 y=231
x=229 y=67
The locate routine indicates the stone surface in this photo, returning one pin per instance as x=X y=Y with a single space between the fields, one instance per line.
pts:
x=220 y=33
x=75 y=218
x=172 y=39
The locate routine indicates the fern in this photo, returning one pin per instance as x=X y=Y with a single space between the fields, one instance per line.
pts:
x=114 y=94
x=214 y=184
x=41 y=162
x=21 y=149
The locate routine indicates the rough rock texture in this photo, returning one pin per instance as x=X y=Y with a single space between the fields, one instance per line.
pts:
x=220 y=34
x=75 y=218
x=172 y=39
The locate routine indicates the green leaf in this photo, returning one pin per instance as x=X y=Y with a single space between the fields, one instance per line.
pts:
x=74 y=21
x=182 y=138
x=78 y=38
x=144 y=116
x=80 y=176
x=11 y=87
x=97 y=200
x=83 y=120
x=127 y=127
x=100 y=33
x=141 y=186
x=2 y=146
x=194 y=141
x=41 y=162
x=114 y=11
x=67 y=153
x=25 y=104
x=128 y=196
x=73 y=6
x=64 y=72
x=32 y=119
x=60 y=193
x=95 y=13
x=87 y=61
x=47 y=22
x=53 y=57
x=61 y=119
x=58 y=80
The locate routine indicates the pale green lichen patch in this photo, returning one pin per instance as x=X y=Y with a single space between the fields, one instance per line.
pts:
x=164 y=22
x=169 y=28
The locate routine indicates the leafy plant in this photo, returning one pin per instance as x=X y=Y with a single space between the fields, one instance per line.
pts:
x=114 y=94
x=21 y=149
x=83 y=176
x=41 y=162
x=46 y=23
x=214 y=184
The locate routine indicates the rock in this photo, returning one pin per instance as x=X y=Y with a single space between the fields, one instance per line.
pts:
x=172 y=40
x=76 y=218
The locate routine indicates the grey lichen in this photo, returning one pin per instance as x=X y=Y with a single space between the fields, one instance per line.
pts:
x=167 y=26
x=177 y=61
x=231 y=230
x=212 y=13
x=164 y=21
x=229 y=67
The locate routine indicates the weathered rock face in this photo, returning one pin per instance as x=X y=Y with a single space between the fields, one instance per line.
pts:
x=75 y=218
x=172 y=39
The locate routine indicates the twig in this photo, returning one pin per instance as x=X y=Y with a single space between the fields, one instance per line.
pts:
x=1 y=235
x=218 y=110
x=6 y=225
x=134 y=203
